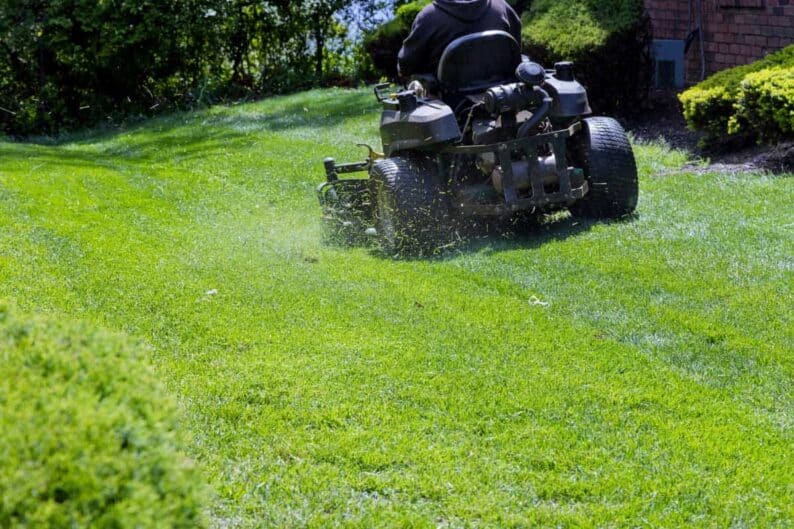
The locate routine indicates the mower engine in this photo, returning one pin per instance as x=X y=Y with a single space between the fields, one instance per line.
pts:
x=519 y=110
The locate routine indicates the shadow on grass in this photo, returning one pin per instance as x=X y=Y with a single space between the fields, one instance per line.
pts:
x=314 y=109
x=308 y=110
x=531 y=238
x=230 y=129
x=491 y=241
x=44 y=156
x=190 y=136
x=528 y=238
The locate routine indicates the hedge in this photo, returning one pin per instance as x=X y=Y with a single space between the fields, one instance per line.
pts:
x=766 y=104
x=89 y=439
x=609 y=40
x=69 y=63
x=569 y=28
x=753 y=101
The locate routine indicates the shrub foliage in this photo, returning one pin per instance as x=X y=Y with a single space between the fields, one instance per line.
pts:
x=594 y=34
x=88 y=437
x=766 y=104
x=747 y=102
x=65 y=63
x=69 y=63
x=568 y=28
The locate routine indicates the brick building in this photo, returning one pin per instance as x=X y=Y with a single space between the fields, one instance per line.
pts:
x=733 y=32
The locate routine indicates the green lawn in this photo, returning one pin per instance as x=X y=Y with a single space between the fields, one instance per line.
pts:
x=634 y=374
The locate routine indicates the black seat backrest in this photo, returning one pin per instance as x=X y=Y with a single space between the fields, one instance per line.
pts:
x=473 y=63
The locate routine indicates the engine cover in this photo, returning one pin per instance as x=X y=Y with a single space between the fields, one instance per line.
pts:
x=570 y=97
x=432 y=122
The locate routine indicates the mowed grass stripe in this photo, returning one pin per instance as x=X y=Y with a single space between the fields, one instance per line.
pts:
x=328 y=385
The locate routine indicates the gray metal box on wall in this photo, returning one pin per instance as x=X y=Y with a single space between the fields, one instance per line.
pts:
x=668 y=63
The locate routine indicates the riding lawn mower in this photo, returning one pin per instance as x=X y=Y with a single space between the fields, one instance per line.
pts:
x=492 y=135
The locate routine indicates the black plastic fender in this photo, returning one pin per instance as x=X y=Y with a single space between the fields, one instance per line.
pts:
x=432 y=122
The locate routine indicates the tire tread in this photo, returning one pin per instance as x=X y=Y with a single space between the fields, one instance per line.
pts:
x=611 y=171
x=419 y=208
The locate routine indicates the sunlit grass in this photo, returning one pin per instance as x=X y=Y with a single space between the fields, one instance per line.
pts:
x=596 y=375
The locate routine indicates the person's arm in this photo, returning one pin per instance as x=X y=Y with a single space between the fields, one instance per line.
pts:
x=411 y=58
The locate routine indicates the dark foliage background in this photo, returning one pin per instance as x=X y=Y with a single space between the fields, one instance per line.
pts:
x=70 y=63
x=65 y=63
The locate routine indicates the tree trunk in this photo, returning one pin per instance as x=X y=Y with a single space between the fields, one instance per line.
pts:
x=319 y=47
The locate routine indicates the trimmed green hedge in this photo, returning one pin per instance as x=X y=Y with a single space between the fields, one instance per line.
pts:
x=750 y=101
x=571 y=28
x=88 y=437
x=609 y=40
x=766 y=104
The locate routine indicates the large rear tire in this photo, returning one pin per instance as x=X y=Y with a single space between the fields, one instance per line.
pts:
x=411 y=212
x=603 y=151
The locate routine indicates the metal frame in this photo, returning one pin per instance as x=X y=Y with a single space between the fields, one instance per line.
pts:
x=539 y=198
x=345 y=190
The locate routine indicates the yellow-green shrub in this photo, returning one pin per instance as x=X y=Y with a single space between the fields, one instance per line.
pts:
x=765 y=104
x=708 y=109
x=88 y=437
x=751 y=100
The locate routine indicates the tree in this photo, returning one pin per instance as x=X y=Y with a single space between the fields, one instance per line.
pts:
x=71 y=62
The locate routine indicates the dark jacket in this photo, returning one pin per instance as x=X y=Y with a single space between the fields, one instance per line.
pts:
x=445 y=20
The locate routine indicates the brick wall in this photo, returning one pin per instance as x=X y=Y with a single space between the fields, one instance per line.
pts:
x=735 y=31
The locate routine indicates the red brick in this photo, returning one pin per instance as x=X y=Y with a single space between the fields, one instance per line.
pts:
x=752 y=20
x=711 y=47
x=761 y=40
x=732 y=35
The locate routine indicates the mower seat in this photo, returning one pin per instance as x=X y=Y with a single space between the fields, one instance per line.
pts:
x=473 y=63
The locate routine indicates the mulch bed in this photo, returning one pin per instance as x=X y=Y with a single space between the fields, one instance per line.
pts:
x=663 y=119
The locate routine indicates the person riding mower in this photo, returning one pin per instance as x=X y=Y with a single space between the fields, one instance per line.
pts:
x=504 y=138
